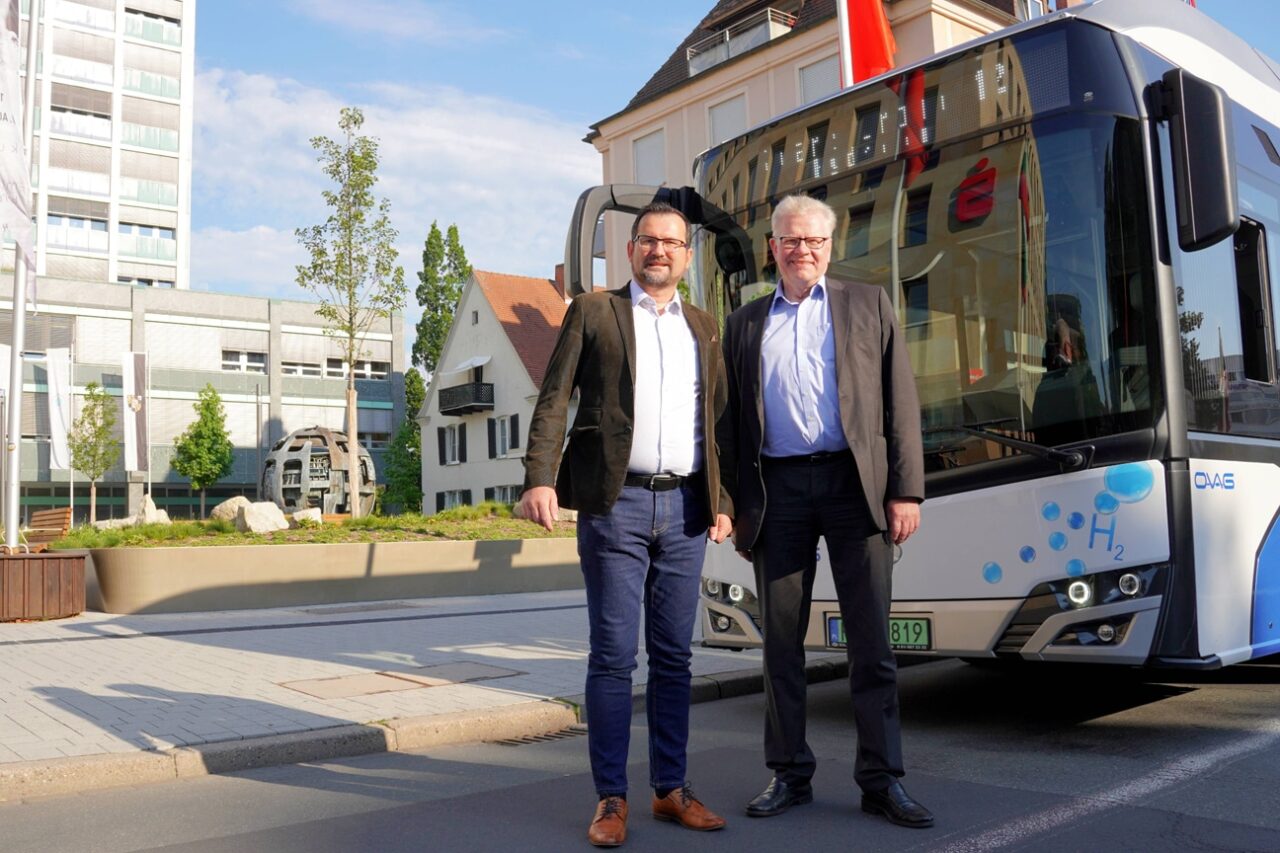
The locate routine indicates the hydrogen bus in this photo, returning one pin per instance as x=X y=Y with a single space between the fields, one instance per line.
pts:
x=1078 y=222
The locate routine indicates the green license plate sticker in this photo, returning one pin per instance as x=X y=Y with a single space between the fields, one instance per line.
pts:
x=907 y=634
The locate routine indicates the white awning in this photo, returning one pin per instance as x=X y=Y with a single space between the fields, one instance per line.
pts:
x=476 y=361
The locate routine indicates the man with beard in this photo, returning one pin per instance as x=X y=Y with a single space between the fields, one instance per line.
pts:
x=641 y=469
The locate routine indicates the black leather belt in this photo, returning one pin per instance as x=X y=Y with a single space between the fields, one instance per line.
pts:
x=660 y=482
x=810 y=458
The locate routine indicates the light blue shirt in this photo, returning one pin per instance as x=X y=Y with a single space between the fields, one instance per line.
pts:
x=798 y=377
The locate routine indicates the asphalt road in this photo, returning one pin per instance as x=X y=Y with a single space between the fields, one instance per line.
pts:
x=1040 y=759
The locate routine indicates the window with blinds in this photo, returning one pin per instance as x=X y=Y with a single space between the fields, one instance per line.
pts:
x=819 y=79
x=728 y=119
x=650 y=153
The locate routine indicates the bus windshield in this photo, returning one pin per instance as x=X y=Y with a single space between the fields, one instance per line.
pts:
x=1018 y=257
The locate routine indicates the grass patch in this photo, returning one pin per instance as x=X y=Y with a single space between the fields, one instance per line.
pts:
x=488 y=520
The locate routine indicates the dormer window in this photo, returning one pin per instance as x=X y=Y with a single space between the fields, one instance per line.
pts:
x=738 y=37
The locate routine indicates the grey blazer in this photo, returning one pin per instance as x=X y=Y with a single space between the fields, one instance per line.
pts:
x=879 y=406
x=596 y=355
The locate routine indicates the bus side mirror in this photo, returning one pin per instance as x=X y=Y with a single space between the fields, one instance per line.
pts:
x=1204 y=171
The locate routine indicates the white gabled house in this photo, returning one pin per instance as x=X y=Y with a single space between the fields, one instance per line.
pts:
x=481 y=397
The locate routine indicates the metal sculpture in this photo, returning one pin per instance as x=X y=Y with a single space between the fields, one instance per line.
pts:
x=308 y=468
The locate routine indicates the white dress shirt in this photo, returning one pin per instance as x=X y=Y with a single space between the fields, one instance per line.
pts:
x=667 y=437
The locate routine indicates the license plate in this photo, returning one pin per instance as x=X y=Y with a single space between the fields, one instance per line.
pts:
x=906 y=633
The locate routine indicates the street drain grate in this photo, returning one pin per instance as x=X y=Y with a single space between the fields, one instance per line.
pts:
x=563 y=734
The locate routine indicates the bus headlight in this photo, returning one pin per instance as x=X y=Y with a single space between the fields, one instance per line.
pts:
x=712 y=587
x=736 y=593
x=1080 y=593
x=1129 y=584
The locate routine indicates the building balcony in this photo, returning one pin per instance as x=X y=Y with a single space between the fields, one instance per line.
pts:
x=146 y=136
x=79 y=124
x=152 y=248
x=85 y=16
x=465 y=399
x=148 y=192
x=139 y=26
x=749 y=33
x=83 y=70
x=150 y=83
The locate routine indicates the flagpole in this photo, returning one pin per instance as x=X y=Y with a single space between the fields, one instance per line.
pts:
x=13 y=450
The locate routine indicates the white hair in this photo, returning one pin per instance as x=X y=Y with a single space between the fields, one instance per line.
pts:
x=803 y=205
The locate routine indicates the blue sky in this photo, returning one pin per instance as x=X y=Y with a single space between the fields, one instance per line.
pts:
x=480 y=108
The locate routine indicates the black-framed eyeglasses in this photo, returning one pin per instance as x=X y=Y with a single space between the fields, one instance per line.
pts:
x=793 y=243
x=648 y=244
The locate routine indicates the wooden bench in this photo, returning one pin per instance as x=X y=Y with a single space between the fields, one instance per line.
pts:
x=47 y=525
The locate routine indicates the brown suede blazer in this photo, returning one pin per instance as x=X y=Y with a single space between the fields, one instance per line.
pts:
x=596 y=354
x=879 y=406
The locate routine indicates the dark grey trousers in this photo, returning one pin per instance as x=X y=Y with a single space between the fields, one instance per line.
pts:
x=805 y=500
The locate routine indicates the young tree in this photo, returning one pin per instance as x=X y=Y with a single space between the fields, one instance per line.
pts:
x=352 y=269
x=93 y=447
x=403 y=464
x=444 y=271
x=202 y=453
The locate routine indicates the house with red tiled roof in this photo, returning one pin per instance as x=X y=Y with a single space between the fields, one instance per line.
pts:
x=748 y=61
x=481 y=398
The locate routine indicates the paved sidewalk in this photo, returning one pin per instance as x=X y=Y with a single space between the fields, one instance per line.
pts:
x=101 y=700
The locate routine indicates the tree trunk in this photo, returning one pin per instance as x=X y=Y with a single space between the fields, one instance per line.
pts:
x=202 y=504
x=93 y=501
x=353 y=448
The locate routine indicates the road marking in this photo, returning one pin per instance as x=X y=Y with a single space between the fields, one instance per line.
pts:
x=1171 y=774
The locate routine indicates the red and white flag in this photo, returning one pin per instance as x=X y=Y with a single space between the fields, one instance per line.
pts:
x=866 y=40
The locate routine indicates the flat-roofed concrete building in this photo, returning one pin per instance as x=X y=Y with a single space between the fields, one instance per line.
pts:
x=269 y=360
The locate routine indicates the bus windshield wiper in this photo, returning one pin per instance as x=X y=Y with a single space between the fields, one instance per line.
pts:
x=1070 y=459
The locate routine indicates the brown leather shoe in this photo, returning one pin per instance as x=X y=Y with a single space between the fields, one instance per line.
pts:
x=609 y=826
x=682 y=807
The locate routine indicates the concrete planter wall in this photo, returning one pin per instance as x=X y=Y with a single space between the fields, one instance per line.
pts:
x=178 y=580
x=41 y=586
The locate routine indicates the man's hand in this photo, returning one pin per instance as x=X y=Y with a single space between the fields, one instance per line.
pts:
x=903 y=515
x=540 y=505
x=720 y=531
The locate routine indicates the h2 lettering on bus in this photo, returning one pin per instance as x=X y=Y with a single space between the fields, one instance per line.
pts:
x=1204 y=480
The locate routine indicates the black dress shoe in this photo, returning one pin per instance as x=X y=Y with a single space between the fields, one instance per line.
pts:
x=779 y=797
x=897 y=806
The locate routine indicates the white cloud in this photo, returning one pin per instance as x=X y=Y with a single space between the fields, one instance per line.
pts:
x=402 y=20
x=505 y=173
x=256 y=261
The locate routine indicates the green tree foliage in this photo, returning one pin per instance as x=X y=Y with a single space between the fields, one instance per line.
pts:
x=94 y=449
x=444 y=271
x=202 y=453
x=403 y=464
x=352 y=270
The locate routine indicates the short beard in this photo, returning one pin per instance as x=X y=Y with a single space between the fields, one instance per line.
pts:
x=655 y=278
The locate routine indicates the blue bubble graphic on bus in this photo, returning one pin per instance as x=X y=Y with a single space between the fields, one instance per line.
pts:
x=1050 y=511
x=1057 y=541
x=1106 y=503
x=1129 y=483
x=1027 y=554
x=1075 y=568
x=991 y=573
x=1076 y=520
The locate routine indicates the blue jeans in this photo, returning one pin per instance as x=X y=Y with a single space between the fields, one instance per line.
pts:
x=648 y=548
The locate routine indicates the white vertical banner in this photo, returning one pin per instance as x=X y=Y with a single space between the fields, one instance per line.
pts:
x=15 y=166
x=58 y=366
x=136 y=446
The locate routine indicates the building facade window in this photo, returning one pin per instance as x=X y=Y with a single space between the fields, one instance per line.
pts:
x=452 y=442
x=819 y=79
x=727 y=119
x=375 y=440
x=650 y=153
x=163 y=284
x=336 y=368
x=451 y=498
x=504 y=435
x=503 y=494
x=240 y=361
x=300 y=368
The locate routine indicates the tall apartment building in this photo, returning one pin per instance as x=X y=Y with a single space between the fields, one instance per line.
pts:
x=113 y=124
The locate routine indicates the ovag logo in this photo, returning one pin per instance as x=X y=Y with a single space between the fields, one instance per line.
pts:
x=1205 y=480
